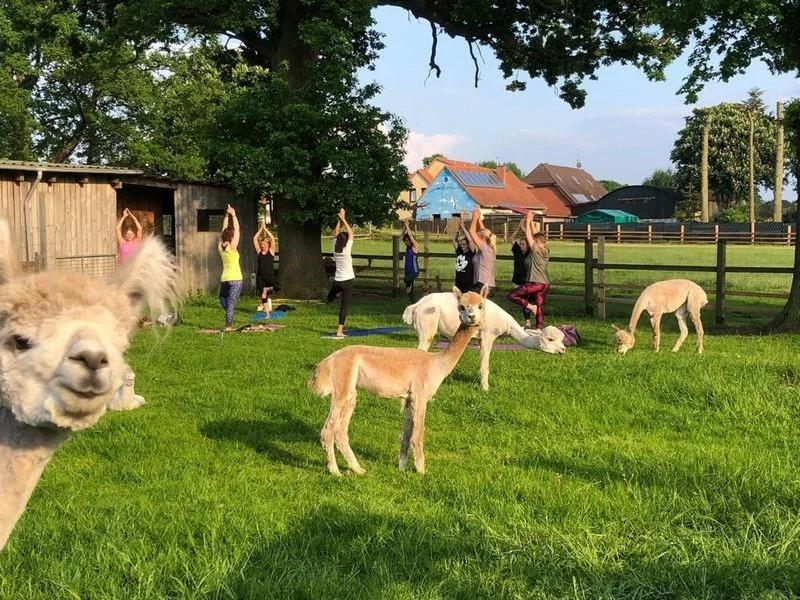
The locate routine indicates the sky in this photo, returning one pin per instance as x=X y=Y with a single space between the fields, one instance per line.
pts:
x=624 y=132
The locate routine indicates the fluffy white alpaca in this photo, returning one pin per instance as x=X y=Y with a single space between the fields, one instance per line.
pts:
x=438 y=313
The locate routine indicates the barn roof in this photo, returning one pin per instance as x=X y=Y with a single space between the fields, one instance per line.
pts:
x=24 y=165
x=494 y=187
x=578 y=186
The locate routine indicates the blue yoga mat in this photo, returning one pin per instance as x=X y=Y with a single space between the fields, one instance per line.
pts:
x=260 y=316
x=366 y=332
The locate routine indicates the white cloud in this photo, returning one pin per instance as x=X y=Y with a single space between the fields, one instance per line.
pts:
x=420 y=145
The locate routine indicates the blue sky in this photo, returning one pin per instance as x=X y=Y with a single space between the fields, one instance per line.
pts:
x=626 y=129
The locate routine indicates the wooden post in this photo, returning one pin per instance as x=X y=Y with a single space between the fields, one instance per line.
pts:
x=588 y=283
x=588 y=231
x=683 y=232
x=751 y=166
x=777 y=215
x=561 y=232
x=438 y=283
x=789 y=235
x=716 y=233
x=395 y=265
x=649 y=234
x=704 y=216
x=619 y=233
x=752 y=232
x=719 y=305
x=601 y=277
x=547 y=231
x=426 y=261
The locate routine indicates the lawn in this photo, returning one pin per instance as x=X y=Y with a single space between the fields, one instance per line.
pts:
x=586 y=475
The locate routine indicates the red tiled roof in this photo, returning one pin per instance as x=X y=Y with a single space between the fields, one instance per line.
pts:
x=424 y=174
x=514 y=193
x=551 y=200
x=570 y=181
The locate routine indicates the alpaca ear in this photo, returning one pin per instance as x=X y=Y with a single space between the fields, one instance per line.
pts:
x=485 y=290
x=150 y=279
x=615 y=328
x=9 y=268
x=457 y=293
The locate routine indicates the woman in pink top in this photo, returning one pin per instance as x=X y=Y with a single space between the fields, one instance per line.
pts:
x=128 y=241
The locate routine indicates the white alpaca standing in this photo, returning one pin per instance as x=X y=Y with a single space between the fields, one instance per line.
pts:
x=679 y=296
x=410 y=374
x=438 y=313
x=62 y=339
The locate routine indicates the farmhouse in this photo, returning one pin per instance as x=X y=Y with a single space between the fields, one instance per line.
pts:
x=459 y=187
x=63 y=216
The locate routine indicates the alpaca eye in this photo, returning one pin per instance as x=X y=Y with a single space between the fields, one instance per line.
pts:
x=21 y=343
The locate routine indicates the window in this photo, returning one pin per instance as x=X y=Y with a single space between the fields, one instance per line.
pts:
x=437 y=217
x=412 y=196
x=166 y=225
x=210 y=219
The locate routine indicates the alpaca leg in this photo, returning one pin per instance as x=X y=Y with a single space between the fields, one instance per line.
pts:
x=698 y=327
x=486 y=349
x=418 y=434
x=655 y=323
x=327 y=436
x=342 y=437
x=405 y=435
x=680 y=314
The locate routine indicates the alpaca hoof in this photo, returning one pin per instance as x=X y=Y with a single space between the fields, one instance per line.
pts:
x=357 y=470
x=334 y=471
x=485 y=387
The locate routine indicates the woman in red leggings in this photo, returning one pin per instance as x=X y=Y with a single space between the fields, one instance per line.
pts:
x=531 y=294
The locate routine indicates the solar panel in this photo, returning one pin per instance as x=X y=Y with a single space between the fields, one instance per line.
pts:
x=580 y=198
x=478 y=179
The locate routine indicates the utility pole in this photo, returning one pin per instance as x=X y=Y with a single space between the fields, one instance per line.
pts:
x=704 y=217
x=777 y=216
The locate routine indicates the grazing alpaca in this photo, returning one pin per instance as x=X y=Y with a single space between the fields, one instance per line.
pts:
x=680 y=296
x=438 y=313
x=62 y=338
x=410 y=374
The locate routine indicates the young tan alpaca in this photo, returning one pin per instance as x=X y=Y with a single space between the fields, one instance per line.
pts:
x=680 y=296
x=62 y=339
x=410 y=374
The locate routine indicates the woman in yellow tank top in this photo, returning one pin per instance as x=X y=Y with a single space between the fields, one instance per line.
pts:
x=231 y=280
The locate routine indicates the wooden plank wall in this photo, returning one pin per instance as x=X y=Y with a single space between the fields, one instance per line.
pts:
x=197 y=250
x=12 y=197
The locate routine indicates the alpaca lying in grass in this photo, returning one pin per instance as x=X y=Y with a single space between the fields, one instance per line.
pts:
x=62 y=343
x=680 y=296
x=438 y=313
x=410 y=374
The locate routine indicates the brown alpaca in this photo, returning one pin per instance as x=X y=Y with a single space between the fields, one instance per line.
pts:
x=410 y=374
x=62 y=339
x=679 y=296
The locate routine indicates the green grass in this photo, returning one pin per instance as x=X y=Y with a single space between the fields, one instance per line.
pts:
x=582 y=476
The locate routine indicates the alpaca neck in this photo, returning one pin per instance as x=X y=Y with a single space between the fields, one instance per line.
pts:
x=24 y=453
x=638 y=309
x=449 y=357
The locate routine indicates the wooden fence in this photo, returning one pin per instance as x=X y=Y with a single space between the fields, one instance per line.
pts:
x=383 y=274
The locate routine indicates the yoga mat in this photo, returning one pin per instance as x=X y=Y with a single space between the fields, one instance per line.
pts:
x=260 y=316
x=259 y=328
x=366 y=332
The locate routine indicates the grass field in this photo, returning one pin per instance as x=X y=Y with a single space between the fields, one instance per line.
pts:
x=587 y=475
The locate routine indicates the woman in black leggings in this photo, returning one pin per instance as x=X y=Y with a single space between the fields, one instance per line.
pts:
x=344 y=276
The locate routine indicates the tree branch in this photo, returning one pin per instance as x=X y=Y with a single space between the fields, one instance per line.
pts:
x=475 y=62
x=434 y=41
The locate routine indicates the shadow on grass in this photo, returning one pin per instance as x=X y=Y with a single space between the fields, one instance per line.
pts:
x=337 y=551
x=270 y=438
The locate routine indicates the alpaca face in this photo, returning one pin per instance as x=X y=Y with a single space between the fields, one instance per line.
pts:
x=61 y=349
x=471 y=306
x=623 y=340
x=552 y=340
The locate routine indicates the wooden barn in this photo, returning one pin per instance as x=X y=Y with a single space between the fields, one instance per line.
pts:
x=63 y=216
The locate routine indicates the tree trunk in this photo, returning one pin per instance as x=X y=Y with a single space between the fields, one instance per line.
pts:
x=302 y=274
x=788 y=319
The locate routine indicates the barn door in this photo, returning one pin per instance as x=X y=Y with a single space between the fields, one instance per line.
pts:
x=154 y=207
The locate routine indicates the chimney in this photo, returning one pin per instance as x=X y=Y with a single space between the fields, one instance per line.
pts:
x=503 y=170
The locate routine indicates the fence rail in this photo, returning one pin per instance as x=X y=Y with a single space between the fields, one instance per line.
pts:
x=593 y=289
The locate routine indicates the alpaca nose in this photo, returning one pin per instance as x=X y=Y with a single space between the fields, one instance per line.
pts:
x=89 y=353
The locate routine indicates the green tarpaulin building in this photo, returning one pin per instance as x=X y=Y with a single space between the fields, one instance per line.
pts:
x=607 y=215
